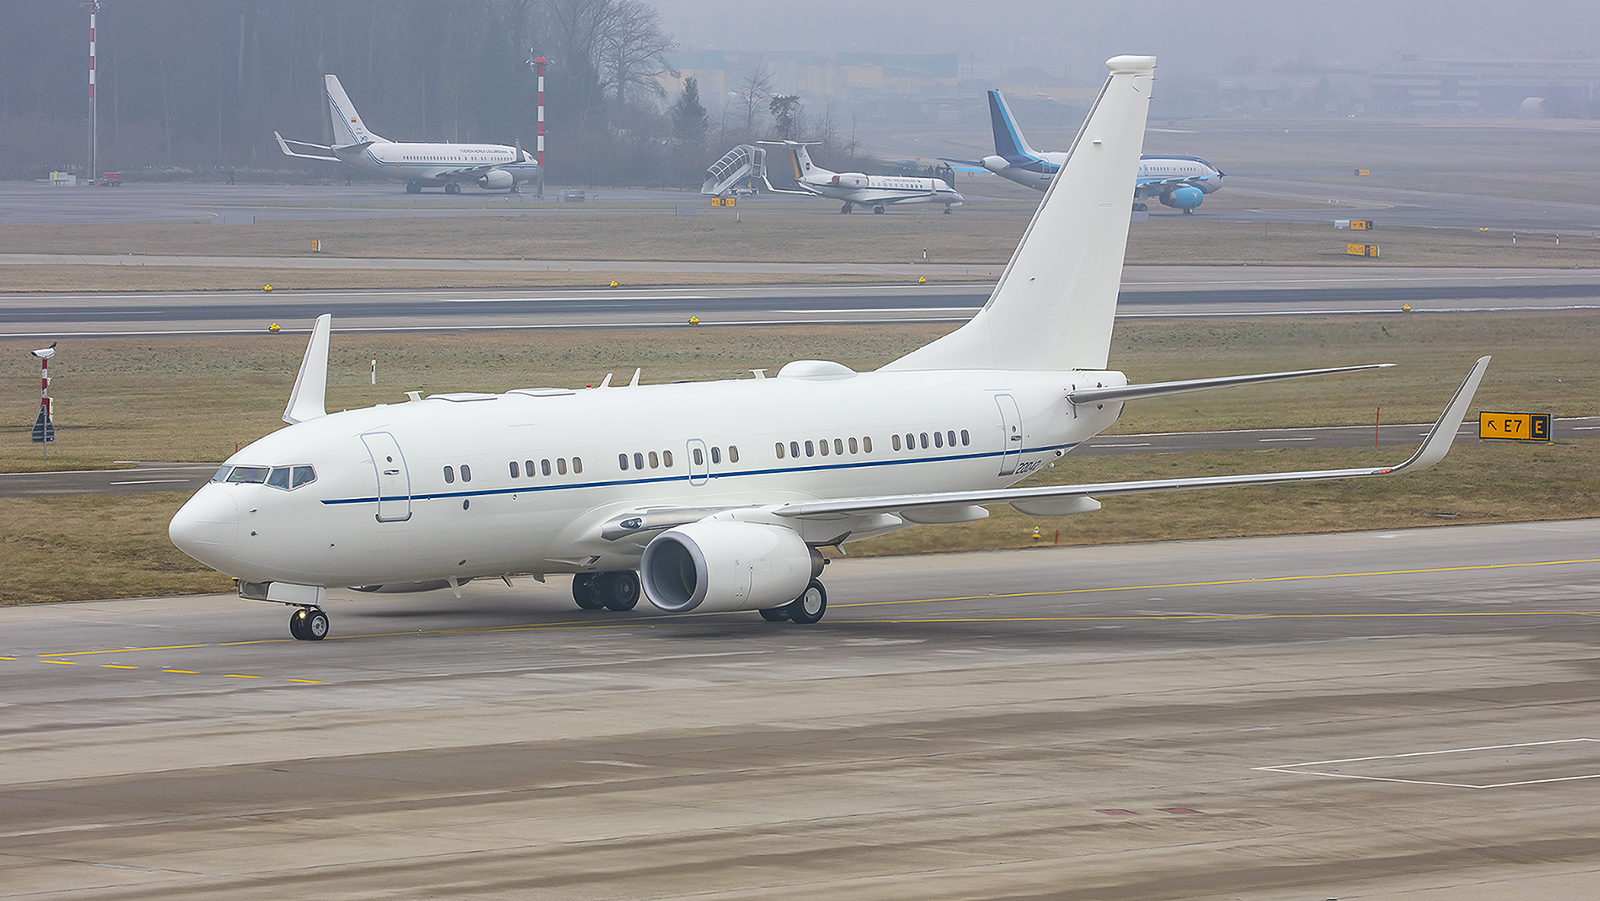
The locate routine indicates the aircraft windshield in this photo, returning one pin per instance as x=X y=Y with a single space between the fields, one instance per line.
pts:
x=252 y=475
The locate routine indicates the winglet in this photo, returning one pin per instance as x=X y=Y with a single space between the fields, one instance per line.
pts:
x=311 y=386
x=1437 y=444
x=521 y=157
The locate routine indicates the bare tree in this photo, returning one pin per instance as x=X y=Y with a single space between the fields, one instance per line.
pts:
x=633 y=50
x=754 y=90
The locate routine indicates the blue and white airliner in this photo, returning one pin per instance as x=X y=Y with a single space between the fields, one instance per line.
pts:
x=492 y=167
x=1173 y=179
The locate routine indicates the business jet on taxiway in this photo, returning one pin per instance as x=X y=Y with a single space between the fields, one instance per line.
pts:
x=493 y=167
x=716 y=496
x=859 y=189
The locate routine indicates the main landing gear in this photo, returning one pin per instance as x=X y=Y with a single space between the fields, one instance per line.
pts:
x=805 y=609
x=413 y=187
x=308 y=624
x=846 y=208
x=878 y=209
x=451 y=187
x=617 y=591
x=1141 y=208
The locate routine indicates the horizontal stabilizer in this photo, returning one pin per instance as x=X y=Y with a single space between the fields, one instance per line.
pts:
x=305 y=151
x=1159 y=389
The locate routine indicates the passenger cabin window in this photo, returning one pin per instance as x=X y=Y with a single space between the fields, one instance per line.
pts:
x=699 y=458
x=794 y=448
x=527 y=466
x=666 y=459
x=866 y=445
x=924 y=440
x=733 y=454
x=577 y=464
x=778 y=448
x=544 y=466
x=622 y=462
x=466 y=473
x=514 y=473
x=810 y=449
x=894 y=441
x=449 y=474
x=638 y=461
x=838 y=445
x=716 y=455
x=950 y=436
x=852 y=445
x=561 y=466
x=824 y=446
x=965 y=438
x=655 y=460
x=938 y=439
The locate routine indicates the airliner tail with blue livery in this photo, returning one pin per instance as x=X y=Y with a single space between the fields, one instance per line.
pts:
x=1175 y=180
x=493 y=167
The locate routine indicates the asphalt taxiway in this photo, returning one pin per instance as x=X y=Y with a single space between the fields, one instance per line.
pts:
x=1148 y=291
x=1367 y=715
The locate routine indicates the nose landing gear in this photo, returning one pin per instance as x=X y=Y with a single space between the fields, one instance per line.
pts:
x=308 y=624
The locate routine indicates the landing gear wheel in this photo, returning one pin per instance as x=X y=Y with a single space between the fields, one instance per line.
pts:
x=947 y=211
x=776 y=614
x=878 y=210
x=413 y=188
x=1141 y=208
x=845 y=208
x=619 y=591
x=583 y=591
x=809 y=606
x=309 y=624
x=452 y=188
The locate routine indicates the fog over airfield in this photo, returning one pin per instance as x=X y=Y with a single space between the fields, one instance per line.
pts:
x=1192 y=36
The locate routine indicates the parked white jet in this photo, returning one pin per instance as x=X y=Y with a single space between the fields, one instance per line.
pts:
x=493 y=167
x=1176 y=180
x=858 y=189
x=716 y=496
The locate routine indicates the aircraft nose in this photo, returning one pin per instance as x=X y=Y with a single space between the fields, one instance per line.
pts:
x=207 y=527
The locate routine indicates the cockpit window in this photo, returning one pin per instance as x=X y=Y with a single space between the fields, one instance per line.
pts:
x=279 y=478
x=289 y=478
x=252 y=475
x=303 y=475
x=222 y=474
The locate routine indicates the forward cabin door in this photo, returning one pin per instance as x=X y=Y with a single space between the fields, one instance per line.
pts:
x=1011 y=425
x=394 y=481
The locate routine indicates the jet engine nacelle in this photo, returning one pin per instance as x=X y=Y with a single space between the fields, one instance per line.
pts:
x=497 y=180
x=1186 y=197
x=850 y=180
x=717 y=566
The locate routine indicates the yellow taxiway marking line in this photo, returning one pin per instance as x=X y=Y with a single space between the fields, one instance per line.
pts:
x=573 y=625
x=61 y=662
x=1220 y=582
x=306 y=681
x=116 y=666
x=186 y=672
x=238 y=676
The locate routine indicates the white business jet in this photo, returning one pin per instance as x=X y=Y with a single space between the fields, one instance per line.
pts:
x=716 y=496
x=857 y=189
x=493 y=167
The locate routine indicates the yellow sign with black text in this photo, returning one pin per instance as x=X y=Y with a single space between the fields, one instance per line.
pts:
x=1514 y=426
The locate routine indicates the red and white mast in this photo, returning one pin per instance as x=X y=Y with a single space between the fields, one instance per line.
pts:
x=538 y=150
x=94 y=137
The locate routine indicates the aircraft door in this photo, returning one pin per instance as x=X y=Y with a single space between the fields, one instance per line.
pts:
x=1011 y=425
x=394 y=481
x=699 y=462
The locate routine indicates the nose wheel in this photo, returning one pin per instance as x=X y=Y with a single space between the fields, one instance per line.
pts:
x=308 y=624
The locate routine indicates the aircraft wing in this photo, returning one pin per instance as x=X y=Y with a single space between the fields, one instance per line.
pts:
x=1051 y=500
x=1433 y=449
x=468 y=173
x=305 y=151
x=1163 y=182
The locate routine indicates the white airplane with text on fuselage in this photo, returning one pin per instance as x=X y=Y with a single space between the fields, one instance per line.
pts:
x=859 y=189
x=1176 y=180
x=716 y=496
x=493 y=167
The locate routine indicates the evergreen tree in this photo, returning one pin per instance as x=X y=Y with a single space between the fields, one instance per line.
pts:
x=689 y=120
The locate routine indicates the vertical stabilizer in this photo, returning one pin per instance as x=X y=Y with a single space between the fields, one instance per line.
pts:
x=803 y=167
x=1009 y=144
x=1057 y=299
x=347 y=125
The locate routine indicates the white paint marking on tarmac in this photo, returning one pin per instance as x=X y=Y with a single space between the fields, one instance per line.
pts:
x=152 y=481
x=1296 y=768
x=1285 y=439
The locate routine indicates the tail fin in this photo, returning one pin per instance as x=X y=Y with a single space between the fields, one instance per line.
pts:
x=802 y=161
x=1057 y=299
x=1008 y=140
x=347 y=125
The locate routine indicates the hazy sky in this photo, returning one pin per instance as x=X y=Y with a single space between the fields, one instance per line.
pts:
x=1199 y=36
